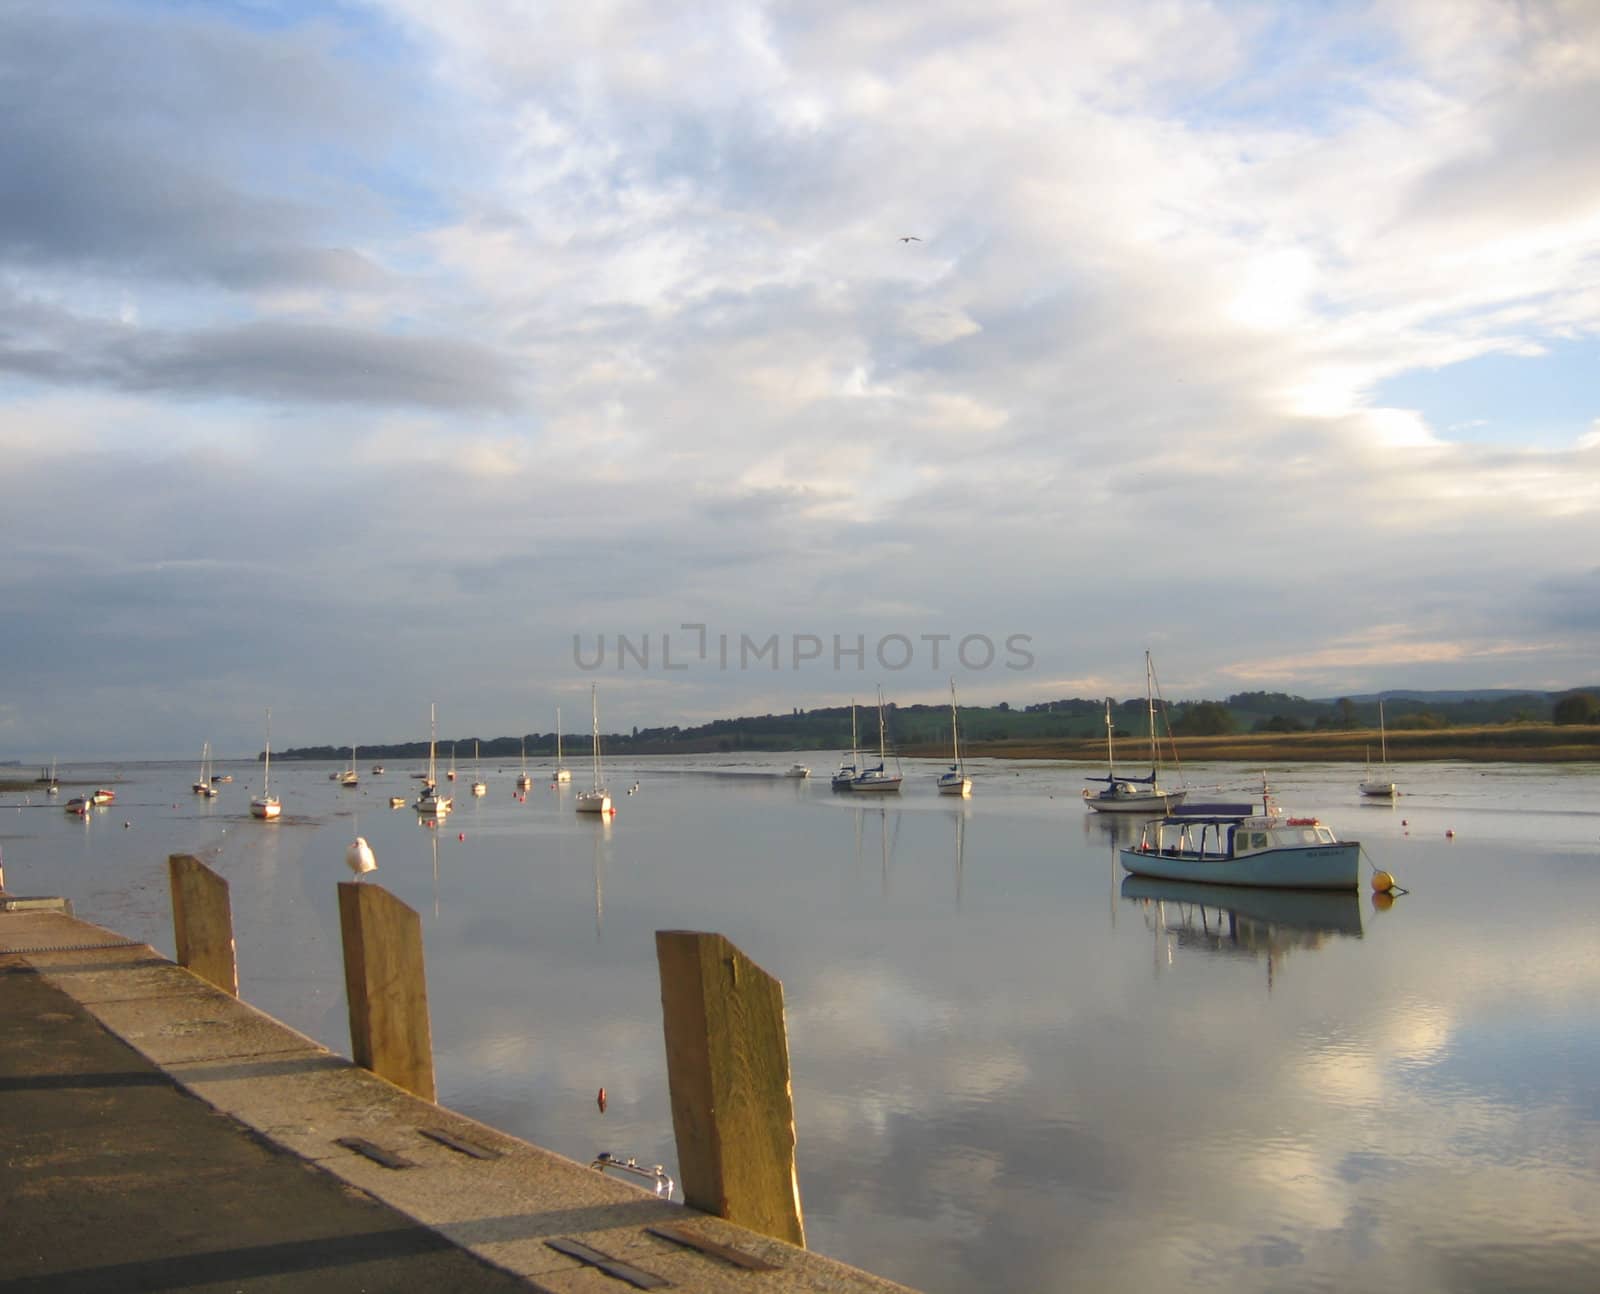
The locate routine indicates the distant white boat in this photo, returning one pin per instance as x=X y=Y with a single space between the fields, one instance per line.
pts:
x=524 y=782
x=1125 y=794
x=848 y=768
x=429 y=801
x=349 y=776
x=597 y=799
x=450 y=774
x=203 y=786
x=478 y=787
x=878 y=778
x=954 y=780
x=562 y=773
x=798 y=770
x=1380 y=786
x=266 y=805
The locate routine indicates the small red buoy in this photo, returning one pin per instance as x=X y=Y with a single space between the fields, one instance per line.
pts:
x=1449 y=833
x=461 y=835
x=601 y=1100
x=1404 y=823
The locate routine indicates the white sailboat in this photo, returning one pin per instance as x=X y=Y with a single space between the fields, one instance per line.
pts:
x=1380 y=786
x=429 y=801
x=450 y=775
x=524 y=782
x=562 y=773
x=266 y=805
x=954 y=780
x=349 y=777
x=1126 y=794
x=878 y=777
x=597 y=799
x=848 y=768
x=204 y=786
x=478 y=786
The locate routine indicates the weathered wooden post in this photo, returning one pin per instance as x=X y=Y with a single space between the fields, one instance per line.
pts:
x=202 y=922
x=728 y=1075
x=386 y=987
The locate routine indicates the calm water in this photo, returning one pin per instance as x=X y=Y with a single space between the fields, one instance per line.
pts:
x=1010 y=1070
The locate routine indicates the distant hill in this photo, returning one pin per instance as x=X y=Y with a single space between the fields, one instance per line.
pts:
x=1076 y=718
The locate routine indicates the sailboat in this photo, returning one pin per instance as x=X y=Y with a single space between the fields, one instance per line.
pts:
x=1125 y=794
x=1380 y=787
x=48 y=779
x=204 y=786
x=478 y=787
x=597 y=799
x=349 y=777
x=954 y=781
x=266 y=805
x=562 y=773
x=878 y=777
x=429 y=801
x=450 y=775
x=847 y=770
x=524 y=782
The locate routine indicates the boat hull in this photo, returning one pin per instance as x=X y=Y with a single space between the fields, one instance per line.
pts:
x=868 y=783
x=1156 y=804
x=561 y=775
x=1378 y=790
x=594 y=802
x=950 y=785
x=1311 y=867
x=267 y=810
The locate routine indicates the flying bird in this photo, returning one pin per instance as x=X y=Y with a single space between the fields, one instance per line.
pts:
x=911 y=238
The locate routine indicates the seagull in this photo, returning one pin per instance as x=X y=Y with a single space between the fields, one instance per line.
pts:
x=911 y=238
x=358 y=857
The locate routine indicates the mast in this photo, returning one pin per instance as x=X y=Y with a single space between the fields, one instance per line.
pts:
x=1150 y=711
x=955 y=733
x=266 y=772
x=1111 y=752
x=433 y=734
x=558 y=738
x=594 y=723
x=1383 y=739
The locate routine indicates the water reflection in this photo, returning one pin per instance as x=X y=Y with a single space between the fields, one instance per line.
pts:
x=1241 y=921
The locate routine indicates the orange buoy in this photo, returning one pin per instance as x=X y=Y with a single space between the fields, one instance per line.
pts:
x=1382 y=882
x=601 y=1100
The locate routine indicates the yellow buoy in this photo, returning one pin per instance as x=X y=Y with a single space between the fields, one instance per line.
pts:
x=1382 y=882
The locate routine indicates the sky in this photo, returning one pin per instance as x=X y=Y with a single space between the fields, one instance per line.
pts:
x=363 y=355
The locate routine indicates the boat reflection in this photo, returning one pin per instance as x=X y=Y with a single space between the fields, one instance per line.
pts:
x=1242 y=921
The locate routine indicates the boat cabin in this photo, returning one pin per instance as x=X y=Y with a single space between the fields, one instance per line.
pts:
x=1232 y=837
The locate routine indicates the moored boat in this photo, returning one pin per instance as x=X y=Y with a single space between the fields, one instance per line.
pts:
x=205 y=783
x=266 y=806
x=878 y=778
x=105 y=795
x=1266 y=849
x=848 y=768
x=79 y=805
x=597 y=799
x=954 y=780
x=798 y=770
x=1380 y=785
x=1124 y=793
x=429 y=802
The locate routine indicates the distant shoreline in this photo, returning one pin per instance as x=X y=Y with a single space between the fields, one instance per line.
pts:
x=1499 y=743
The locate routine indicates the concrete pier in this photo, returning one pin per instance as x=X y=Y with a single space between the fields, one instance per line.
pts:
x=157 y=1132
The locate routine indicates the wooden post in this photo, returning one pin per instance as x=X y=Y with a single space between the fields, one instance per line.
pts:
x=386 y=987
x=728 y=1076
x=202 y=922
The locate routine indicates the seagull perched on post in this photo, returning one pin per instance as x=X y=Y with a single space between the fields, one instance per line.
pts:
x=911 y=238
